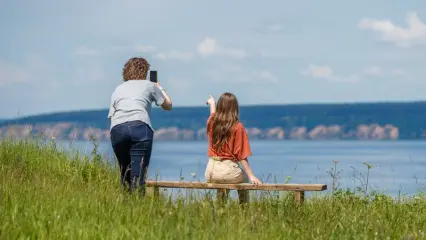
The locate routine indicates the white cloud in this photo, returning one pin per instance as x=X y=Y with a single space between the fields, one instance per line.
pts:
x=266 y=75
x=209 y=46
x=155 y=52
x=237 y=74
x=85 y=51
x=319 y=71
x=139 y=48
x=182 y=56
x=275 y=28
x=374 y=71
x=177 y=85
x=325 y=72
x=33 y=70
x=145 y=48
x=415 y=33
x=256 y=76
x=380 y=72
x=225 y=73
x=88 y=73
x=10 y=74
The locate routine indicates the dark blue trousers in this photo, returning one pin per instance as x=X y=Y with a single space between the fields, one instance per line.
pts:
x=132 y=144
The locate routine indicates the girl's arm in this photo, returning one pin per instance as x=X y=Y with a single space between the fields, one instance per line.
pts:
x=210 y=101
x=253 y=179
x=212 y=108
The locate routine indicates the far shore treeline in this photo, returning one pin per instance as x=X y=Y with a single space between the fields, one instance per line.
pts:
x=355 y=121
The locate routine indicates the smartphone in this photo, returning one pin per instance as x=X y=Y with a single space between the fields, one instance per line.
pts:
x=153 y=76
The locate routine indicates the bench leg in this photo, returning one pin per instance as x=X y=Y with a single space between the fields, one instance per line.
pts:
x=299 y=197
x=153 y=191
x=222 y=195
x=243 y=196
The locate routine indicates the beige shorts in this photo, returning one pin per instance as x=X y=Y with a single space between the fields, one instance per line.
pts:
x=224 y=171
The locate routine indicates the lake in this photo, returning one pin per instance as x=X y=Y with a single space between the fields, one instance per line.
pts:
x=399 y=167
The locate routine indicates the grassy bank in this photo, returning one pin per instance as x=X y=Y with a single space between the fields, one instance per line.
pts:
x=48 y=194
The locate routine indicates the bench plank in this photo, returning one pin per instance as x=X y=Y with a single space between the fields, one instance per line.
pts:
x=240 y=186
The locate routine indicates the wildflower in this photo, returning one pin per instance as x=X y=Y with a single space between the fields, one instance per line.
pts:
x=287 y=179
x=368 y=165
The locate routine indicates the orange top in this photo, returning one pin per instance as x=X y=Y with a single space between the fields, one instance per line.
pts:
x=237 y=148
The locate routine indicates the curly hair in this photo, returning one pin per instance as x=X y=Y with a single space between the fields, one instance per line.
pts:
x=135 y=68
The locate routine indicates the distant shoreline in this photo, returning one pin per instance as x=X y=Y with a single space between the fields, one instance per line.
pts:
x=342 y=121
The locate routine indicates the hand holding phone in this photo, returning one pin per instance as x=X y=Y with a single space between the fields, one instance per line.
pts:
x=153 y=76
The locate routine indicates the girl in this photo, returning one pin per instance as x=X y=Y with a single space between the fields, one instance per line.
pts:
x=228 y=143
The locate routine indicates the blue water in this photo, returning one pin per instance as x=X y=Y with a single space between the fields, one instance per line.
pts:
x=399 y=167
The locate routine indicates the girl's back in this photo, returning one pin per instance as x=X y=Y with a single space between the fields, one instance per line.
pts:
x=229 y=146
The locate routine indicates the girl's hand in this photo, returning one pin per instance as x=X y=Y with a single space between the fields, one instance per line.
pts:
x=254 y=180
x=210 y=100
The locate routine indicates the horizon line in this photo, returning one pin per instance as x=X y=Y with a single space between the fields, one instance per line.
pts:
x=241 y=106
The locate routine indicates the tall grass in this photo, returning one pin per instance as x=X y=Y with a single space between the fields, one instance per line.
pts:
x=46 y=193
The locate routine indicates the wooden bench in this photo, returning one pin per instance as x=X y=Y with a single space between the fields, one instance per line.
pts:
x=223 y=189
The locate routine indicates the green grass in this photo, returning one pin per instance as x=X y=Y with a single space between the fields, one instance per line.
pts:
x=46 y=193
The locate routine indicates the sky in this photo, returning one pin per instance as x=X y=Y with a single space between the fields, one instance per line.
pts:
x=68 y=55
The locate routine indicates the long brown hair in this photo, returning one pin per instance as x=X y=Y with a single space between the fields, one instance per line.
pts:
x=224 y=120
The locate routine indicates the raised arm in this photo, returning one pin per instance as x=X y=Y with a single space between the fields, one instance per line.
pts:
x=163 y=97
x=212 y=104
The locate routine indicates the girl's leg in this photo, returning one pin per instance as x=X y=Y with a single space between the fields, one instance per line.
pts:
x=226 y=171
x=208 y=174
x=223 y=171
x=243 y=195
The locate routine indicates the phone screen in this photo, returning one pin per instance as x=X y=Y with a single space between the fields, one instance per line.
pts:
x=153 y=76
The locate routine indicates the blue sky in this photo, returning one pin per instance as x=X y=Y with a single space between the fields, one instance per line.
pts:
x=68 y=55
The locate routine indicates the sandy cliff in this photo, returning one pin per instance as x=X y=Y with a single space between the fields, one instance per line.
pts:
x=67 y=131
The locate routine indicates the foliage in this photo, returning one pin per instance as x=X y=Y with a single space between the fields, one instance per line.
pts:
x=47 y=193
